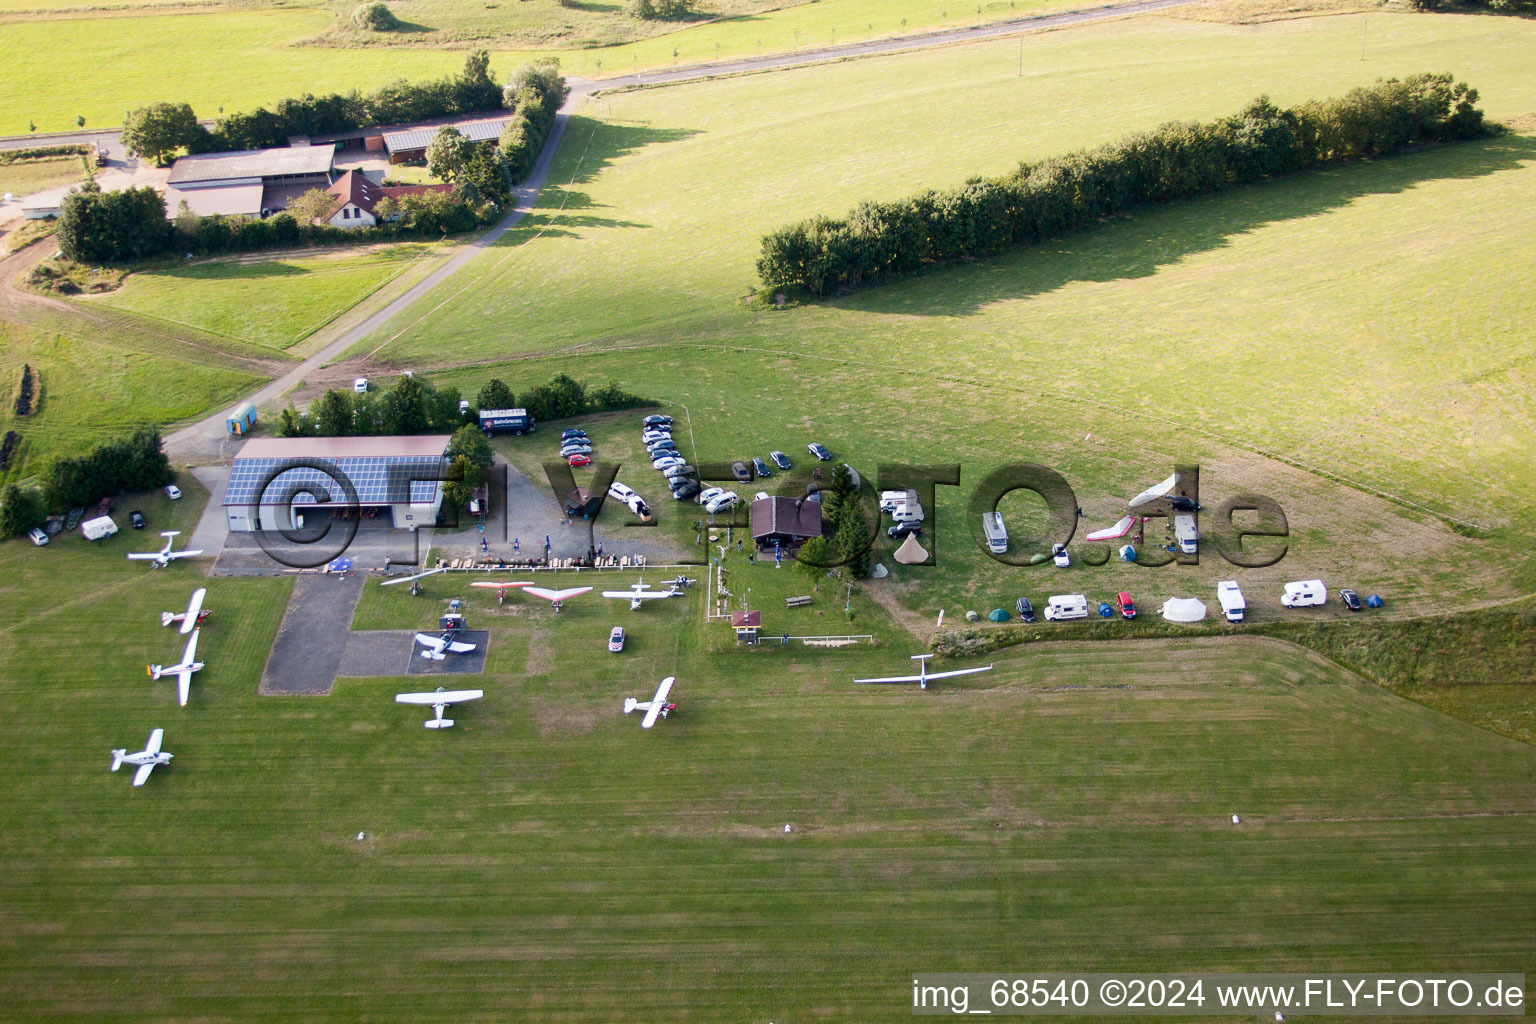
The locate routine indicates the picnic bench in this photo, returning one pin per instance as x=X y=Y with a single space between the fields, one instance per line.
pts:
x=797 y=602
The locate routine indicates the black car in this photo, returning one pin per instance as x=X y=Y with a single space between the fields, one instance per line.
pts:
x=687 y=489
x=1026 y=610
x=819 y=450
x=656 y=421
x=1179 y=503
x=779 y=459
x=667 y=445
x=1351 y=600
x=740 y=471
x=568 y=434
x=761 y=467
x=902 y=529
x=137 y=519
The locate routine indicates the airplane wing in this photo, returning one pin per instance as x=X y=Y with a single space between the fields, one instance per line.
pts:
x=893 y=679
x=499 y=586
x=184 y=686
x=407 y=579
x=662 y=690
x=189 y=623
x=638 y=595
x=155 y=739
x=460 y=648
x=143 y=773
x=1120 y=529
x=434 y=642
x=436 y=697
x=958 y=672
x=183 y=554
x=191 y=651
x=143 y=556
x=1152 y=493
x=559 y=595
x=651 y=715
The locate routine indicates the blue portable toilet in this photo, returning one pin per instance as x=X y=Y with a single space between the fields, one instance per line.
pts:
x=241 y=419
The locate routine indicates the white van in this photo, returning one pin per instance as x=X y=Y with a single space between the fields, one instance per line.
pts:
x=1304 y=594
x=996 y=532
x=1185 y=532
x=1231 y=600
x=890 y=499
x=1066 y=606
x=908 y=512
x=360 y=385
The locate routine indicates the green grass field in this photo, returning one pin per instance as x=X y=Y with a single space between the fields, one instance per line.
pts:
x=25 y=177
x=272 y=302
x=547 y=857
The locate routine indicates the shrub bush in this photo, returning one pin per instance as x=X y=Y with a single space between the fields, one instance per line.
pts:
x=1069 y=193
x=375 y=18
x=24 y=392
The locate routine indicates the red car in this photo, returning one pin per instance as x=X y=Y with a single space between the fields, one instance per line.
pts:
x=1126 y=605
x=579 y=460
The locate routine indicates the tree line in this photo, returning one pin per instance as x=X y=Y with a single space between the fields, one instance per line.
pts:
x=135 y=463
x=1053 y=197
x=414 y=406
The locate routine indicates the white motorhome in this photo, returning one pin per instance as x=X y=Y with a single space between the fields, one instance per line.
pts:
x=890 y=499
x=1304 y=594
x=1231 y=599
x=1066 y=606
x=98 y=528
x=996 y=532
x=1186 y=533
x=908 y=512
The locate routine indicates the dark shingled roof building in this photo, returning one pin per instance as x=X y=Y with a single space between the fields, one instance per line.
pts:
x=788 y=521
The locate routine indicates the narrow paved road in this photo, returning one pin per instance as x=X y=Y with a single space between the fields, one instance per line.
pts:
x=200 y=436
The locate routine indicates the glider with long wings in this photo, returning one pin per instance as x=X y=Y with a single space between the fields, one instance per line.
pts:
x=182 y=671
x=145 y=759
x=638 y=593
x=411 y=579
x=1161 y=490
x=656 y=707
x=556 y=597
x=438 y=700
x=162 y=558
x=192 y=617
x=923 y=675
x=438 y=647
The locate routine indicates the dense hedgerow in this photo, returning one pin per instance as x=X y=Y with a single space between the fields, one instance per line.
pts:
x=1068 y=193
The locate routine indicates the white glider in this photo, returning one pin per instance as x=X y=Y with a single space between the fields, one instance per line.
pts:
x=162 y=558
x=556 y=597
x=1120 y=529
x=182 y=671
x=436 y=646
x=923 y=675
x=1162 y=490
x=411 y=579
x=145 y=759
x=641 y=592
x=656 y=707
x=438 y=700
x=192 y=617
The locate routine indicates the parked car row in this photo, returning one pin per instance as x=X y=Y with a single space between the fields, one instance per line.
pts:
x=682 y=479
x=576 y=447
x=1298 y=594
x=905 y=510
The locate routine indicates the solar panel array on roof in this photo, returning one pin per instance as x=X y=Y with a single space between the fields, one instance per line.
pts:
x=421 y=138
x=378 y=480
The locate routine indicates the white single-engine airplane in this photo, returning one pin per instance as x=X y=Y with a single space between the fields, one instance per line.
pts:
x=183 y=671
x=146 y=759
x=656 y=707
x=439 y=699
x=556 y=597
x=411 y=579
x=923 y=675
x=438 y=646
x=191 y=618
x=641 y=592
x=162 y=558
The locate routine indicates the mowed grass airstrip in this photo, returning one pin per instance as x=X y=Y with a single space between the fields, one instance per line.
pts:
x=549 y=860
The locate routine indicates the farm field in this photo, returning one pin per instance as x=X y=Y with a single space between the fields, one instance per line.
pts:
x=547 y=841
x=25 y=177
x=1153 y=339
x=274 y=301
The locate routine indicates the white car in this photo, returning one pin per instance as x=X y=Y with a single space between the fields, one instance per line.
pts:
x=37 y=536
x=567 y=450
x=618 y=492
x=173 y=492
x=667 y=462
x=722 y=502
x=360 y=385
x=709 y=494
x=656 y=434
x=1059 y=556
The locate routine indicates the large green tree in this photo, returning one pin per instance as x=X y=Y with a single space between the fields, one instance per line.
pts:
x=160 y=130
x=332 y=414
x=20 y=510
x=407 y=407
x=448 y=154
x=97 y=227
x=494 y=395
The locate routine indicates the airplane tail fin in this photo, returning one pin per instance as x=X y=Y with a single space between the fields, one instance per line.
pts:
x=433 y=655
x=629 y=704
x=117 y=758
x=166 y=618
x=439 y=723
x=154 y=671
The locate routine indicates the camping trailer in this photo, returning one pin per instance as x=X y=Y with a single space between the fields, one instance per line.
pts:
x=1186 y=533
x=99 y=528
x=1304 y=594
x=890 y=499
x=1231 y=598
x=1066 y=606
x=996 y=532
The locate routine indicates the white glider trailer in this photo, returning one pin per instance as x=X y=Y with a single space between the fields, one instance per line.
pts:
x=1231 y=599
x=1304 y=594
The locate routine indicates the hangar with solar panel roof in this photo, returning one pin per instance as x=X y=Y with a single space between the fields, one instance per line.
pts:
x=282 y=483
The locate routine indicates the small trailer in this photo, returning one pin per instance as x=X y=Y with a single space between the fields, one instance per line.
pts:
x=241 y=419
x=99 y=528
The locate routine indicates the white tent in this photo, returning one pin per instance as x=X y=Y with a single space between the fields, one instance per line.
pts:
x=911 y=552
x=1183 y=609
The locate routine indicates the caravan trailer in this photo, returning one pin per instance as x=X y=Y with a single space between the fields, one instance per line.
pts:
x=996 y=532
x=1066 y=606
x=1304 y=594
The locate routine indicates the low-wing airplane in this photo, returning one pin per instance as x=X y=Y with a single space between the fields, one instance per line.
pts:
x=411 y=579
x=183 y=671
x=438 y=700
x=438 y=646
x=191 y=618
x=641 y=592
x=146 y=759
x=923 y=675
x=162 y=558
x=556 y=597
x=656 y=707
x=500 y=588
